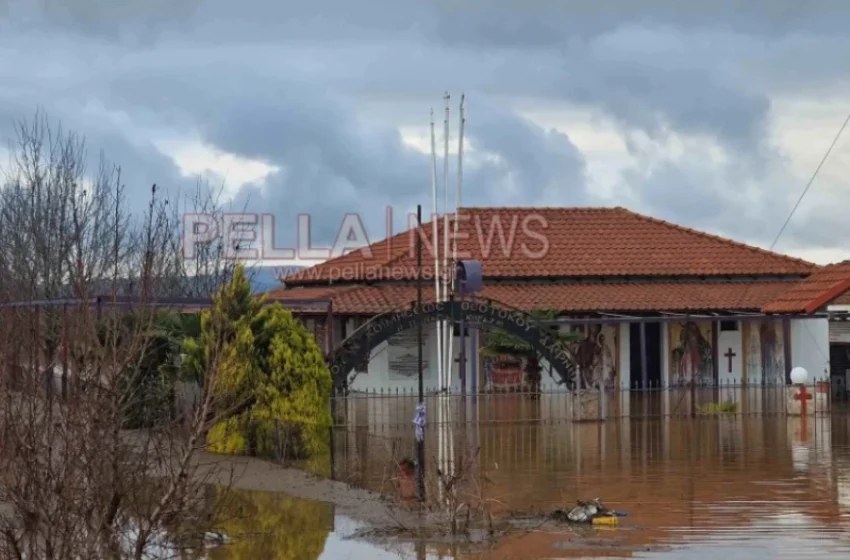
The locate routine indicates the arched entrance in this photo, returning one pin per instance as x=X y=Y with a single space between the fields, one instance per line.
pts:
x=357 y=348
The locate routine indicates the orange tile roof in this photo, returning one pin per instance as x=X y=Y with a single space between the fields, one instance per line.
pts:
x=815 y=292
x=572 y=297
x=843 y=299
x=561 y=242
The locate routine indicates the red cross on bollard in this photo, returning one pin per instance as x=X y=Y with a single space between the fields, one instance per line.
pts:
x=804 y=397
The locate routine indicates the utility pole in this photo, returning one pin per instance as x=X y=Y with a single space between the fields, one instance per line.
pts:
x=420 y=436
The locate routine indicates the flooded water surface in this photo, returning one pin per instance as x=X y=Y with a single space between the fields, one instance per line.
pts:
x=736 y=488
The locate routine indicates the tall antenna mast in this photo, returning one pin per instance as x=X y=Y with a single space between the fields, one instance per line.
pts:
x=435 y=244
x=450 y=273
x=449 y=329
x=459 y=187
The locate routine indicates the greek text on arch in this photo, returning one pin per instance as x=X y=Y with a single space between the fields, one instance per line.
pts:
x=486 y=313
x=403 y=316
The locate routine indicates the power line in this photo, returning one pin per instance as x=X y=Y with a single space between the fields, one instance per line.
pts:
x=794 y=210
x=801 y=197
x=811 y=180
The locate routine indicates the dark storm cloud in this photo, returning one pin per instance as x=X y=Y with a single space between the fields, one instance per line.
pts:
x=284 y=82
x=334 y=163
x=141 y=164
x=478 y=22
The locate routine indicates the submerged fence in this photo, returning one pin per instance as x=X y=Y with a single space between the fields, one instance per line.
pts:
x=384 y=411
x=373 y=433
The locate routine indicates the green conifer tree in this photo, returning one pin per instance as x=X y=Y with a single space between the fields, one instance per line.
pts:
x=273 y=386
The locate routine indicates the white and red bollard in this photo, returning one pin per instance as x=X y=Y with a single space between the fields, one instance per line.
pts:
x=800 y=405
x=800 y=399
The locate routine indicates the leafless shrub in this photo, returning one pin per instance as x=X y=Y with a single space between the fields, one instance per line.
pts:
x=81 y=279
x=456 y=500
x=461 y=502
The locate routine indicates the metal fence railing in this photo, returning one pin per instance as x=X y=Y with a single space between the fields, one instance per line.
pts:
x=384 y=412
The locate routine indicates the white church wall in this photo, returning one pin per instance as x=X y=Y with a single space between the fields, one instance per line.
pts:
x=394 y=364
x=729 y=353
x=737 y=353
x=810 y=346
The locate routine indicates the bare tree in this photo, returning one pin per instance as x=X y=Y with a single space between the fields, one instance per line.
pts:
x=81 y=281
x=204 y=271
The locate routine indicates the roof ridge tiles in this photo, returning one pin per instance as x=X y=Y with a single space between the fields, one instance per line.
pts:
x=713 y=237
x=581 y=241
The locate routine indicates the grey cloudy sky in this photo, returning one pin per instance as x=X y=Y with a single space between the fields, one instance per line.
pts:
x=712 y=116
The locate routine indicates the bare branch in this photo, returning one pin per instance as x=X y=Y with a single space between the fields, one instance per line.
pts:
x=85 y=273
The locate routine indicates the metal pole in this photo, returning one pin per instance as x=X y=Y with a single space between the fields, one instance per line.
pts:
x=473 y=366
x=420 y=443
x=693 y=389
x=643 y=365
x=335 y=392
x=461 y=359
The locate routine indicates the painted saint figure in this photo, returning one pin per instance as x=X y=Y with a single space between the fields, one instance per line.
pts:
x=692 y=357
x=594 y=359
x=772 y=355
x=753 y=370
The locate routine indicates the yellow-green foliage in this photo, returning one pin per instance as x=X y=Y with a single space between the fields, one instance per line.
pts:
x=273 y=527
x=228 y=436
x=293 y=397
x=726 y=407
x=268 y=361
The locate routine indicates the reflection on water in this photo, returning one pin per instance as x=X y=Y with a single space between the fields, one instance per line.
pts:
x=269 y=526
x=743 y=487
x=273 y=527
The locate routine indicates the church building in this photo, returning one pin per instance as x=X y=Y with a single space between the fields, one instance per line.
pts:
x=655 y=304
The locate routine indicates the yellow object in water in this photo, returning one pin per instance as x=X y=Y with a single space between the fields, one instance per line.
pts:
x=606 y=520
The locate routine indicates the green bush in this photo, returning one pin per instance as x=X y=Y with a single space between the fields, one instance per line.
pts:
x=147 y=386
x=273 y=385
x=726 y=407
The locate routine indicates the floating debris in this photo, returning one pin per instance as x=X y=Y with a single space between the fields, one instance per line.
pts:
x=590 y=511
x=606 y=520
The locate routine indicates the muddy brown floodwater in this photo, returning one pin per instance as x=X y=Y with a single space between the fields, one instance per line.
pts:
x=735 y=488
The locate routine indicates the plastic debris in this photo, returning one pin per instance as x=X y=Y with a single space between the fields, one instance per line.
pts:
x=590 y=511
x=419 y=422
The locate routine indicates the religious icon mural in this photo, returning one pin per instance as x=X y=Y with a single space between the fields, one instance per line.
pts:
x=764 y=342
x=752 y=353
x=595 y=354
x=692 y=354
x=772 y=352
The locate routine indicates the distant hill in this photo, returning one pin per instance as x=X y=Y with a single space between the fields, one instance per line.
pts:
x=261 y=278
x=265 y=278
